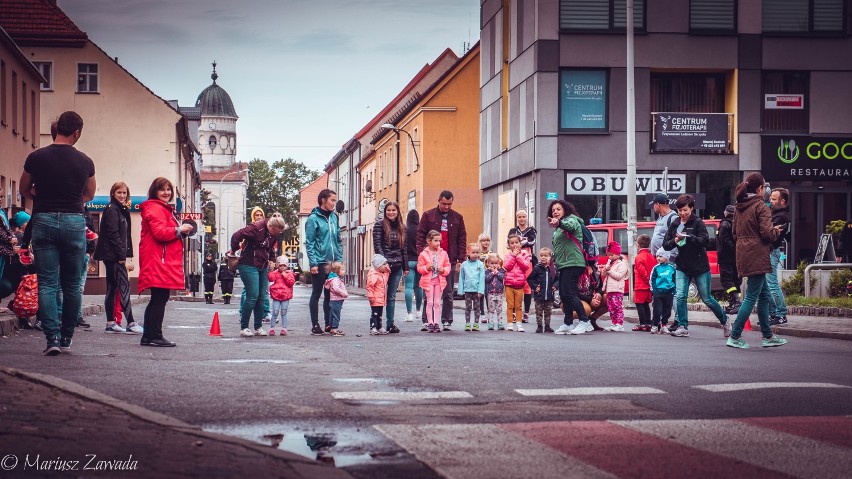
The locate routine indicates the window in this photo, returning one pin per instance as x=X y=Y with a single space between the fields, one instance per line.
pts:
x=599 y=15
x=212 y=142
x=789 y=116
x=409 y=158
x=3 y=93
x=416 y=138
x=33 y=130
x=804 y=16
x=87 y=78
x=14 y=102
x=688 y=92
x=713 y=16
x=583 y=100
x=46 y=70
x=24 y=110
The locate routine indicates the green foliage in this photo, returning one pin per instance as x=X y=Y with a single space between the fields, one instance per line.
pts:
x=835 y=227
x=796 y=283
x=211 y=244
x=275 y=187
x=837 y=283
x=799 y=300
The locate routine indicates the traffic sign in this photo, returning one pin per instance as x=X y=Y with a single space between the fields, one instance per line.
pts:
x=191 y=216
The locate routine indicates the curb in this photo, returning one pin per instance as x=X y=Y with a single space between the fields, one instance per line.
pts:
x=9 y=323
x=316 y=469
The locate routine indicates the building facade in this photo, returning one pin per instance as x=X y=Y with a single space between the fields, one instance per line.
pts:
x=721 y=89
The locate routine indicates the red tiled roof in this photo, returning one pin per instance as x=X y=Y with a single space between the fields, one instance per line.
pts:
x=308 y=195
x=219 y=174
x=39 y=23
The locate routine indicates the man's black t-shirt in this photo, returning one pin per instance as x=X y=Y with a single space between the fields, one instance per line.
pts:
x=59 y=173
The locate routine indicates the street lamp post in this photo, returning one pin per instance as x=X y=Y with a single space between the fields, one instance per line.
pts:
x=219 y=212
x=390 y=126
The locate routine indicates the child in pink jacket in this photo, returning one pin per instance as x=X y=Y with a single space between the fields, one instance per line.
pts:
x=615 y=275
x=377 y=292
x=281 y=283
x=434 y=265
x=337 y=292
x=516 y=263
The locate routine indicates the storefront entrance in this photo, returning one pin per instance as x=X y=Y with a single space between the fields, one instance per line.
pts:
x=811 y=210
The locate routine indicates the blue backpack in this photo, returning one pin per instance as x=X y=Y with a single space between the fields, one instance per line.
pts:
x=589 y=247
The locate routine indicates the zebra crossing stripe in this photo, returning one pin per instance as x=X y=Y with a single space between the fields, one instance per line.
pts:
x=588 y=391
x=473 y=451
x=723 y=388
x=834 y=430
x=778 y=451
x=400 y=395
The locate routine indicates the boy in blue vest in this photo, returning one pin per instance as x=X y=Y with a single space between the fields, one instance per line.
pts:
x=663 y=288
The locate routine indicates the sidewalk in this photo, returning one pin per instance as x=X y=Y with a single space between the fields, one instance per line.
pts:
x=93 y=304
x=48 y=419
x=798 y=326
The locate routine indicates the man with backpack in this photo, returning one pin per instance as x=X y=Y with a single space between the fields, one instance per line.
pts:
x=571 y=260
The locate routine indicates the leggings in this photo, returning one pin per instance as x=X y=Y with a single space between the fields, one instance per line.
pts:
x=154 y=313
x=317 y=289
x=433 y=302
x=118 y=291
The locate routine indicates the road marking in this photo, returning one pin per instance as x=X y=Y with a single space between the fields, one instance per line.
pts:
x=587 y=391
x=400 y=395
x=777 y=451
x=723 y=388
x=257 y=361
x=468 y=451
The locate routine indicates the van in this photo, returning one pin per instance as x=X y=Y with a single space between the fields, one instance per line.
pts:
x=604 y=233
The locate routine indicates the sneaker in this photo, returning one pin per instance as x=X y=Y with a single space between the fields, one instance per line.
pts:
x=526 y=318
x=539 y=329
x=380 y=332
x=447 y=327
x=272 y=331
x=267 y=319
x=547 y=329
x=519 y=327
x=283 y=332
x=393 y=330
x=611 y=327
x=328 y=329
x=409 y=318
x=426 y=327
x=776 y=320
x=81 y=323
x=467 y=326
x=433 y=328
x=52 y=348
x=639 y=327
x=500 y=327
x=619 y=328
x=91 y=235
x=737 y=343
x=491 y=326
x=655 y=329
x=483 y=321
x=260 y=332
x=65 y=344
x=337 y=332
x=37 y=326
x=476 y=326
x=582 y=327
x=773 y=341
x=418 y=315
x=681 y=333
x=315 y=331
x=246 y=333
x=374 y=331
x=134 y=328
x=510 y=327
x=111 y=327
x=726 y=328
x=673 y=327
x=564 y=329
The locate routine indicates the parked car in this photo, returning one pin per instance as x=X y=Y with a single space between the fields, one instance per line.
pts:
x=604 y=233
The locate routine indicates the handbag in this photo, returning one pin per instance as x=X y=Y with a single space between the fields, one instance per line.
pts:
x=233 y=261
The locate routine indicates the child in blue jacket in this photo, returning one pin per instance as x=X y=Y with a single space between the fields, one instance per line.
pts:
x=541 y=282
x=472 y=284
x=663 y=288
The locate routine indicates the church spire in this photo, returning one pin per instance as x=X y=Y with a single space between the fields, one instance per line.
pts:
x=214 y=76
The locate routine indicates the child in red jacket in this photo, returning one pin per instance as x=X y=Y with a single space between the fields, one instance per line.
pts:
x=281 y=283
x=642 y=297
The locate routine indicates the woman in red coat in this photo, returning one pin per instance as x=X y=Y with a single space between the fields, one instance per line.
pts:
x=160 y=257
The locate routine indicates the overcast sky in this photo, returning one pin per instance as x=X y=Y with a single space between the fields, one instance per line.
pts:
x=304 y=75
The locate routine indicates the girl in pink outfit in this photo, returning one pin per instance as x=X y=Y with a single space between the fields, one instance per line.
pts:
x=337 y=292
x=615 y=275
x=517 y=264
x=434 y=266
x=281 y=283
x=377 y=292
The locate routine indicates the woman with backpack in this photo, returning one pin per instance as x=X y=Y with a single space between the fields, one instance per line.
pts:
x=570 y=263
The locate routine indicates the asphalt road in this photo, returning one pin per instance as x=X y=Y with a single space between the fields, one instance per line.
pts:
x=340 y=398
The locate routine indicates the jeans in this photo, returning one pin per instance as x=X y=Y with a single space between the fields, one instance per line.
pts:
x=59 y=245
x=317 y=289
x=702 y=283
x=777 y=306
x=572 y=303
x=393 y=285
x=266 y=303
x=757 y=291
x=334 y=309
x=413 y=291
x=280 y=307
x=256 y=288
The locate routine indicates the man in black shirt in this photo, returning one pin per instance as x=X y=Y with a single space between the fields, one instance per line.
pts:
x=59 y=179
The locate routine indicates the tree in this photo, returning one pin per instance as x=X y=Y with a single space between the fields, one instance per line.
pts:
x=209 y=210
x=276 y=187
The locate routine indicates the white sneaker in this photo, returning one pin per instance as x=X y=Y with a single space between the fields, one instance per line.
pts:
x=655 y=329
x=134 y=328
x=381 y=332
x=681 y=333
x=564 y=329
x=726 y=328
x=374 y=331
x=246 y=333
x=510 y=326
x=418 y=315
x=582 y=327
x=520 y=327
x=112 y=327
x=409 y=318
x=618 y=328
x=260 y=332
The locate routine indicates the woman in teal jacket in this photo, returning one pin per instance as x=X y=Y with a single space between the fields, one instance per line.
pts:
x=570 y=263
x=324 y=246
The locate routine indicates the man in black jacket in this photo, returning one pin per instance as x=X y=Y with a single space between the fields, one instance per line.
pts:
x=779 y=199
x=209 y=267
x=226 y=281
x=726 y=250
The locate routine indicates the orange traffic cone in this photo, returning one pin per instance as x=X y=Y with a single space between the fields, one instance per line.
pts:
x=214 y=328
x=747 y=325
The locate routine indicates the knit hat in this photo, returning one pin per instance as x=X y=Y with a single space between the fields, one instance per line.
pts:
x=379 y=260
x=729 y=210
x=613 y=247
x=282 y=260
x=664 y=253
x=20 y=218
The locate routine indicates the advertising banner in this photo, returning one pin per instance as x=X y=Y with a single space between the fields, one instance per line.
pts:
x=691 y=132
x=784 y=102
x=615 y=183
x=806 y=158
x=582 y=100
x=99 y=203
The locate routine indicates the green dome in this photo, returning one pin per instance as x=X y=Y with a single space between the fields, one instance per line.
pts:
x=215 y=101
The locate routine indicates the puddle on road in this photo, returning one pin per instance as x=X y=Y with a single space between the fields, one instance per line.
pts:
x=257 y=361
x=340 y=446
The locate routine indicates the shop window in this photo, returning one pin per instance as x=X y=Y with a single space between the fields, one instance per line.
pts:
x=708 y=16
x=688 y=92
x=805 y=17
x=599 y=15
x=791 y=114
x=87 y=78
x=46 y=70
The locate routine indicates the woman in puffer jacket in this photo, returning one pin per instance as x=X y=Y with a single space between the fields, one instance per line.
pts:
x=754 y=234
x=389 y=241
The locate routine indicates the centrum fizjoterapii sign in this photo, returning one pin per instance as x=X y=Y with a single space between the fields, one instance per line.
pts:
x=806 y=158
x=690 y=132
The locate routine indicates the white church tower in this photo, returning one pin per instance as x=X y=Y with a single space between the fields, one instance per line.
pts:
x=221 y=175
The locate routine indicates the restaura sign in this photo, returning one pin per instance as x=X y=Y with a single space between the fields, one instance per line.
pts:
x=616 y=183
x=806 y=158
x=691 y=132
